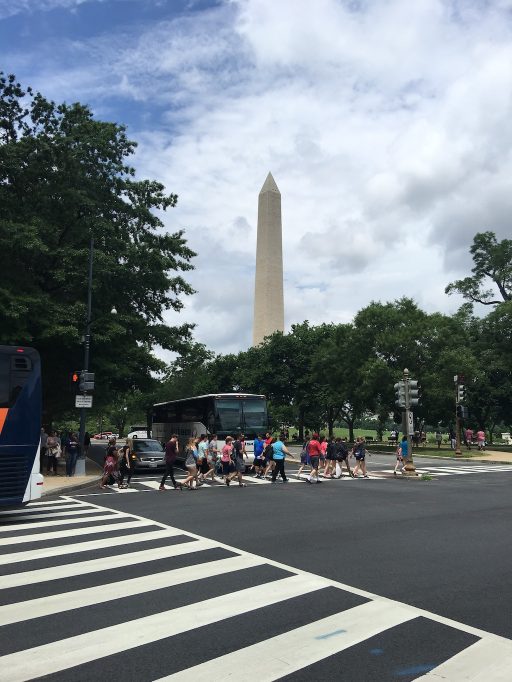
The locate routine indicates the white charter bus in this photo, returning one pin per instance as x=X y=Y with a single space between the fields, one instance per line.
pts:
x=226 y=414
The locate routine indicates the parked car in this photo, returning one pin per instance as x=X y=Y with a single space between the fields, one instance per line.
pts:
x=104 y=435
x=146 y=453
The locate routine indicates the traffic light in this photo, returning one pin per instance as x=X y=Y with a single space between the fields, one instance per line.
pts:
x=462 y=412
x=400 y=394
x=86 y=381
x=461 y=393
x=414 y=393
x=75 y=381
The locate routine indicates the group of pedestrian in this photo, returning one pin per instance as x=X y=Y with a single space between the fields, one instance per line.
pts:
x=328 y=456
x=56 y=446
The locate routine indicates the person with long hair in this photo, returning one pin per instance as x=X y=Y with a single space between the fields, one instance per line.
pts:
x=110 y=465
x=191 y=454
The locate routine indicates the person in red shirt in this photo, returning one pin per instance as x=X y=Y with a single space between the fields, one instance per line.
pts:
x=314 y=452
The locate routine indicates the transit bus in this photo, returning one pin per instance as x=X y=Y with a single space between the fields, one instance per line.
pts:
x=225 y=414
x=20 y=426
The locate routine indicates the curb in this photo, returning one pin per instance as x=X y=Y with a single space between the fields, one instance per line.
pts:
x=70 y=488
x=466 y=459
x=452 y=459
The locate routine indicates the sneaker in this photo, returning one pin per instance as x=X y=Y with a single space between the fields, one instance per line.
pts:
x=161 y=487
x=285 y=480
x=366 y=476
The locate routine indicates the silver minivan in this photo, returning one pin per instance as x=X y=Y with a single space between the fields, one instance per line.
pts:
x=146 y=453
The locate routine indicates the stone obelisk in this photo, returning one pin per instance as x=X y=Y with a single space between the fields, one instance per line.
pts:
x=268 y=288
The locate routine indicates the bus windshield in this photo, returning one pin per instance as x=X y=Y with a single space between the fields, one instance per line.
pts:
x=255 y=415
x=236 y=415
x=229 y=417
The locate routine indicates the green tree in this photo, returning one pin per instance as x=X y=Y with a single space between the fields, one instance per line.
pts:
x=65 y=177
x=493 y=263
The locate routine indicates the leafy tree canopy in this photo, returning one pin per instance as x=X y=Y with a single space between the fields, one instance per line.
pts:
x=493 y=263
x=65 y=177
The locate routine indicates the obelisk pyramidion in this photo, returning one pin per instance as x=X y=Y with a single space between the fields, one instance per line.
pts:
x=268 y=288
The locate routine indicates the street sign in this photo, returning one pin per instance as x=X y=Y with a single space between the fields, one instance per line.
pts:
x=410 y=423
x=83 y=401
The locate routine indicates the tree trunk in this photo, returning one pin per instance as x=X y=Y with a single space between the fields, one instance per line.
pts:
x=301 y=424
x=330 y=421
x=350 y=424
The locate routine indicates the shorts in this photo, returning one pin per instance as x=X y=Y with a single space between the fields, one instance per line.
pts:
x=226 y=468
x=314 y=461
x=259 y=462
x=204 y=467
x=304 y=458
x=360 y=458
x=332 y=458
x=341 y=458
x=239 y=465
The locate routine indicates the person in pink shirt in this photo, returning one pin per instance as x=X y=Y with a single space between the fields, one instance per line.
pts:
x=468 y=433
x=480 y=437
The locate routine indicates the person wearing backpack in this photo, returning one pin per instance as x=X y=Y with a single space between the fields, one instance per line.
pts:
x=238 y=459
x=360 y=454
x=342 y=456
x=330 y=458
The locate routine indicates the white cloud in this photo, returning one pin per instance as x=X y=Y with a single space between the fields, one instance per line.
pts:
x=387 y=126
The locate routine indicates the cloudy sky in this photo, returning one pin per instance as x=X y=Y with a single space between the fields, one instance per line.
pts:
x=387 y=125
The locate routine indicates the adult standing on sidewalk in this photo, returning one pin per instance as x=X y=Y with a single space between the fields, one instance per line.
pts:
x=53 y=452
x=171 y=452
x=42 y=451
x=280 y=451
x=72 y=454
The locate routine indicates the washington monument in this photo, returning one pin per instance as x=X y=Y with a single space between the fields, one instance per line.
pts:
x=268 y=287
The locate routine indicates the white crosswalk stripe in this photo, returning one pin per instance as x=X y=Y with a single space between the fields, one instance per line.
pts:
x=264 y=657
x=461 y=470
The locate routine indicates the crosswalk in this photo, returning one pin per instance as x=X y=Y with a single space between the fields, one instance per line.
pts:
x=92 y=593
x=461 y=470
x=149 y=483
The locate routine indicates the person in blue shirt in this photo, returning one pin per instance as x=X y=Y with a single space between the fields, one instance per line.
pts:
x=279 y=452
x=402 y=454
x=259 y=459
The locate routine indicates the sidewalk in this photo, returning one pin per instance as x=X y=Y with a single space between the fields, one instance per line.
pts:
x=486 y=456
x=61 y=484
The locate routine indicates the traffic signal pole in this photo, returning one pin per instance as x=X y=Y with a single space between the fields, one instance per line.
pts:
x=458 y=420
x=80 y=467
x=409 y=468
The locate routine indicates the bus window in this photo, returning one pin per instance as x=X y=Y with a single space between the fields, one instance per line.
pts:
x=228 y=416
x=255 y=415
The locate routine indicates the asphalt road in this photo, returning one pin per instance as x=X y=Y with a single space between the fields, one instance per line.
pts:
x=441 y=545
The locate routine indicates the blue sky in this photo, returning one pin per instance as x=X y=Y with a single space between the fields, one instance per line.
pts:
x=387 y=125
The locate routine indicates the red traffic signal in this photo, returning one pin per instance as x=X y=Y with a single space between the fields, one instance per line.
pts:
x=75 y=377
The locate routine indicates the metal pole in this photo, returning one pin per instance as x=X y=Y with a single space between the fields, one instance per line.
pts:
x=87 y=345
x=409 y=468
x=458 y=450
